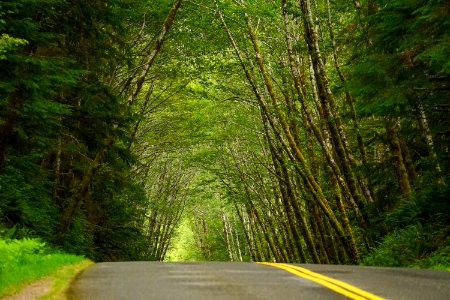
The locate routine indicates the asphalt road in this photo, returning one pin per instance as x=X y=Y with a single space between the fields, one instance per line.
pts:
x=250 y=281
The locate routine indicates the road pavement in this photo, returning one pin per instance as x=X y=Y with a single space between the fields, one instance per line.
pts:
x=251 y=281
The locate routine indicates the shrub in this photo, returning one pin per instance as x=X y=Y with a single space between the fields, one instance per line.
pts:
x=400 y=248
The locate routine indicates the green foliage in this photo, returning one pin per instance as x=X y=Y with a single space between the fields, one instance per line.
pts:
x=117 y=208
x=108 y=228
x=437 y=260
x=401 y=73
x=413 y=246
x=26 y=200
x=409 y=47
x=57 y=112
x=418 y=232
x=79 y=239
x=184 y=246
x=26 y=260
x=428 y=205
x=400 y=248
x=8 y=43
x=200 y=235
x=192 y=243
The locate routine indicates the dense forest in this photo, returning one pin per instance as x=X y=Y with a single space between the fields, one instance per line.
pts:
x=246 y=130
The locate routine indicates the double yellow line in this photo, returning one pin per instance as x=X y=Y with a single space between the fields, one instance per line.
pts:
x=340 y=287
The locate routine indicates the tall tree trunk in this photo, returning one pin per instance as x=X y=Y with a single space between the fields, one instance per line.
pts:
x=154 y=52
x=254 y=256
x=423 y=124
x=392 y=128
x=227 y=235
x=57 y=169
x=81 y=192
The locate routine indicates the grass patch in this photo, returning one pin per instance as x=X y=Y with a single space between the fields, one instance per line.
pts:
x=62 y=278
x=27 y=260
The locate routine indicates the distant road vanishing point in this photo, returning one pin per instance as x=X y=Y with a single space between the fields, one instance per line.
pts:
x=253 y=281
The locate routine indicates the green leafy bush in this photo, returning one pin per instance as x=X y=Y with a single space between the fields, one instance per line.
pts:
x=413 y=246
x=401 y=248
x=439 y=260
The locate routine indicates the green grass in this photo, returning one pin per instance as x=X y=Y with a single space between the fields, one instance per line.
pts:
x=62 y=278
x=27 y=260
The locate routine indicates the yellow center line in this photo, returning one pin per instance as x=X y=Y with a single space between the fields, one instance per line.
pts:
x=338 y=286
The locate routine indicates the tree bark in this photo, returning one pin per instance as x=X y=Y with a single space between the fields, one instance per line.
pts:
x=423 y=124
x=81 y=192
x=392 y=128
x=154 y=52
